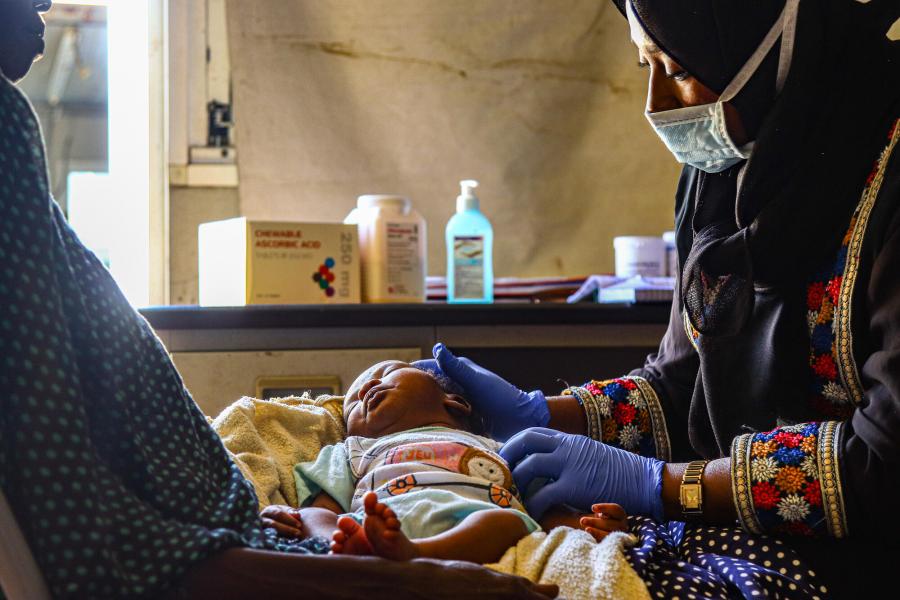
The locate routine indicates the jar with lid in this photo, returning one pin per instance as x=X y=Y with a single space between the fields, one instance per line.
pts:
x=393 y=247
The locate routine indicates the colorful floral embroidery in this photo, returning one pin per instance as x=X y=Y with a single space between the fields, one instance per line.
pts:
x=625 y=413
x=828 y=296
x=827 y=395
x=786 y=480
x=691 y=332
x=703 y=293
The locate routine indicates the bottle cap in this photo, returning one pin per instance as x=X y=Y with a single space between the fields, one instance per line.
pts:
x=399 y=203
x=467 y=199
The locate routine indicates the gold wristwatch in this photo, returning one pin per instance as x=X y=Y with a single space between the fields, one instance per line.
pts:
x=692 y=490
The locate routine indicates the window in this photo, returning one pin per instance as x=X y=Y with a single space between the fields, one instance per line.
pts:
x=101 y=87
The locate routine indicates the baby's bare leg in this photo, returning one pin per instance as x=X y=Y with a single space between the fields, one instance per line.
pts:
x=482 y=537
x=605 y=519
x=562 y=516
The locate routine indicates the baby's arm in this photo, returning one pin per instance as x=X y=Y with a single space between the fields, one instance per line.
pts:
x=319 y=519
x=323 y=500
x=325 y=488
x=562 y=516
x=605 y=519
x=283 y=519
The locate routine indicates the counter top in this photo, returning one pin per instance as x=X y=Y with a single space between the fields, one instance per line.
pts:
x=399 y=315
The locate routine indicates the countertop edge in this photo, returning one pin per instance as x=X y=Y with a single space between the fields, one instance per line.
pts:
x=402 y=315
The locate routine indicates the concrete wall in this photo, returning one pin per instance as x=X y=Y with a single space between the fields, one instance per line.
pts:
x=540 y=101
x=188 y=208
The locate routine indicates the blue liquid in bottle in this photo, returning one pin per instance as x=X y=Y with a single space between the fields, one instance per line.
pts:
x=470 y=241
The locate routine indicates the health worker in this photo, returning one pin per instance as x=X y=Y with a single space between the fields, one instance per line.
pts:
x=772 y=407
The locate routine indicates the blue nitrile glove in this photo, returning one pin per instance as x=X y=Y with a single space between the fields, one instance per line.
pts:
x=507 y=409
x=583 y=472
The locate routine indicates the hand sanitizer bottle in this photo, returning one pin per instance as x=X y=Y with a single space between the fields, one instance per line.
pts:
x=470 y=240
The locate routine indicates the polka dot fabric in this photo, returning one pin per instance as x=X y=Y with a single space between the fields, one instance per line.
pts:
x=113 y=474
x=678 y=560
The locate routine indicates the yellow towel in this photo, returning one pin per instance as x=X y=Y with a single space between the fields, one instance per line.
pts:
x=266 y=438
x=582 y=568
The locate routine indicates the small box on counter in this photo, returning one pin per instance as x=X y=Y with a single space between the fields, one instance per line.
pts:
x=244 y=262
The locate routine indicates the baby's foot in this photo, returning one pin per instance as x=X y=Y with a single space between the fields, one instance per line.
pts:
x=383 y=531
x=350 y=538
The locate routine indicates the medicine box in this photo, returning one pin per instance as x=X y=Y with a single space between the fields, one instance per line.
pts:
x=244 y=262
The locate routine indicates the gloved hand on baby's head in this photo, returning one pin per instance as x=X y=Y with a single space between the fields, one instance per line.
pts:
x=506 y=409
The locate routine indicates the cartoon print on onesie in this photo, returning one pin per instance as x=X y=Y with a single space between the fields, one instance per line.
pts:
x=459 y=458
x=456 y=458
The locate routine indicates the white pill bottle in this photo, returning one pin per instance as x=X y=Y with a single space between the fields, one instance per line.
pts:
x=393 y=248
x=640 y=255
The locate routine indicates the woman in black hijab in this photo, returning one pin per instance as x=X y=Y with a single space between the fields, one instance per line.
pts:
x=118 y=483
x=776 y=390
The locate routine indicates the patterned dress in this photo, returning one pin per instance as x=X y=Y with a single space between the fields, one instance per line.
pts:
x=787 y=480
x=113 y=474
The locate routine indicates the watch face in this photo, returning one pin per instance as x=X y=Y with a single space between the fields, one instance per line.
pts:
x=690 y=496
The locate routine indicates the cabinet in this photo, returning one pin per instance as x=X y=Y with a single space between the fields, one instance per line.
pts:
x=224 y=353
x=216 y=379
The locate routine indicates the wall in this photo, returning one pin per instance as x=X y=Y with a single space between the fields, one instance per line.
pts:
x=188 y=208
x=540 y=101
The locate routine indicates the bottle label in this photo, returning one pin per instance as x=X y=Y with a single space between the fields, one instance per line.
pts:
x=468 y=267
x=404 y=271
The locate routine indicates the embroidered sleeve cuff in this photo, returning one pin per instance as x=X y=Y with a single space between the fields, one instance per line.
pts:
x=788 y=481
x=625 y=413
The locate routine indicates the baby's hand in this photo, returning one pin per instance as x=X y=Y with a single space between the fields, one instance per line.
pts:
x=283 y=519
x=607 y=518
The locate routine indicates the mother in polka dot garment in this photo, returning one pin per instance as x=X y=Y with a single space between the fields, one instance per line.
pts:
x=121 y=488
x=773 y=403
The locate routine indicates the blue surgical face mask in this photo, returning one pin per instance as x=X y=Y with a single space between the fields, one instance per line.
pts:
x=698 y=135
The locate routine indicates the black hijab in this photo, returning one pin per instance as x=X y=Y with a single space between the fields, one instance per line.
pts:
x=815 y=142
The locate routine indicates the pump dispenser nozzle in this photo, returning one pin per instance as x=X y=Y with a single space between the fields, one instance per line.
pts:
x=467 y=199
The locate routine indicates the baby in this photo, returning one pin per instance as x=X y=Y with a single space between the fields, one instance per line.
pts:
x=415 y=479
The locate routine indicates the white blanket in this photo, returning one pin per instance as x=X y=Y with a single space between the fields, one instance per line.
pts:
x=582 y=568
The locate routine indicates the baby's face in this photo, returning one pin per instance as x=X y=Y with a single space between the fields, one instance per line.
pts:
x=394 y=396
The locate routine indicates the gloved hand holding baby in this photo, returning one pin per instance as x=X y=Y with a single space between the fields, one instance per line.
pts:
x=579 y=471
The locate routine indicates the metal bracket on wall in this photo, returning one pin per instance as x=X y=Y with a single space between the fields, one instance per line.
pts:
x=202 y=136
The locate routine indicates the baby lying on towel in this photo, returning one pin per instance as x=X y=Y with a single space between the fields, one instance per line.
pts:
x=414 y=478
